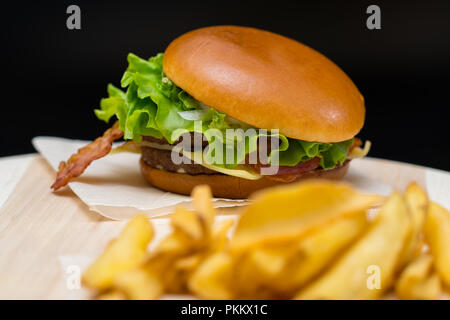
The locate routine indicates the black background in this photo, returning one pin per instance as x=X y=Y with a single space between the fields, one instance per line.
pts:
x=54 y=77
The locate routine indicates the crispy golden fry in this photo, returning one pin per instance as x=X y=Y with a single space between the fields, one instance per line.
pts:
x=193 y=240
x=437 y=234
x=122 y=254
x=171 y=275
x=170 y=261
x=321 y=248
x=184 y=267
x=291 y=211
x=283 y=267
x=254 y=269
x=188 y=222
x=213 y=278
x=219 y=235
x=176 y=243
x=139 y=284
x=379 y=249
x=202 y=202
x=188 y=235
x=111 y=295
x=311 y=241
x=417 y=201
x=418 y=282
x=190 y=262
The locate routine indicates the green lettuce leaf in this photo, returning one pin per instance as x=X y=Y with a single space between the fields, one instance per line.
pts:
x=153 y=106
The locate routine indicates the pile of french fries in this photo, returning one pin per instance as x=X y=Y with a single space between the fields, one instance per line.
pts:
x=313 y=240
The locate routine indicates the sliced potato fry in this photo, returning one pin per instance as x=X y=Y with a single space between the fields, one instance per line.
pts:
x=188 y=222
x=291 y=211
x=254 y=270
x=139 y=284
x=203 y=205
x=192 y=240
x=172 y=275
x=166 y=260
x=268 y=262
x=310 y=240
x=111 y=295
x=319 y=249
x=417 y=282
x=176 y=244
x=122 y=254
x=219 y=235
x=183 y=267
x=380 y=249
x=190 y=262
x=437 y=234
x=283 y=267
x=417 y=201
x=212 y=279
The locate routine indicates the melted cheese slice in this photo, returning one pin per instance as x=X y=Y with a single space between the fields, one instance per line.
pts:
x=239 y=171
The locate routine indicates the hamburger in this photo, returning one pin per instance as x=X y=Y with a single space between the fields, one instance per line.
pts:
x=178 y=109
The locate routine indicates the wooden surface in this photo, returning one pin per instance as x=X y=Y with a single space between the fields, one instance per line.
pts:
x=38 y=227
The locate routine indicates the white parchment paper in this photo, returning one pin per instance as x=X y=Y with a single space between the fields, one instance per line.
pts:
x=113 y=186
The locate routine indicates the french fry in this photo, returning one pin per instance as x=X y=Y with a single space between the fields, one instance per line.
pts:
x=166 y=261
x=177 y=243
x=212 y=279
x=418 y=282
x=254 y=269
x=437 y=234
x=122 y=254
x=417 y=201
x=283 y=267
x=213 y=242
x=319 y=249
x=188 y=222
x=192 y=241
x=111 y=295
x=308 y=241
x=219 y=235
x=380 y=249
x=189 y=263
x=139 y=284
x=188 y=235
x=291 y=211
x=202 y=202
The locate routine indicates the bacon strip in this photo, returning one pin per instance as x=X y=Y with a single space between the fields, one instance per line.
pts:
x=78 y=162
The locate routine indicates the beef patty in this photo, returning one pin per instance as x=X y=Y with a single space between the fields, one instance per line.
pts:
x=162 y=160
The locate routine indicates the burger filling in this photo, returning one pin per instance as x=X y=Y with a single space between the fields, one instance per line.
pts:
x=157 y=153
x=156 y=116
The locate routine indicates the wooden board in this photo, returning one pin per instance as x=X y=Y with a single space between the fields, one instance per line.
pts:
x=38 y=227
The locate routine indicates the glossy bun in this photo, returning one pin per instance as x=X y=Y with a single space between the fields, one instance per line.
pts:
x=268 y=81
